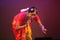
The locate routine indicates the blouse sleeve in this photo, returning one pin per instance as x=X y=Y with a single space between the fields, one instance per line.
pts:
x=38 y=20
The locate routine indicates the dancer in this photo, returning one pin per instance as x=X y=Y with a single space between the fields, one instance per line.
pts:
x=22 y=21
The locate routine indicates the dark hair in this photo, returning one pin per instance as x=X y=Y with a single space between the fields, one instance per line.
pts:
x=32 y=9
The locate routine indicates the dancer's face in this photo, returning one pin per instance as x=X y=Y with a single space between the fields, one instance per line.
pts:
x=33 y=14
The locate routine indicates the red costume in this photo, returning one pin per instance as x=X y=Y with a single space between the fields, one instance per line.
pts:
x=23 y=33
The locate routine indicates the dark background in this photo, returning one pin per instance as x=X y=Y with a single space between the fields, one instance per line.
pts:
x=49 y=13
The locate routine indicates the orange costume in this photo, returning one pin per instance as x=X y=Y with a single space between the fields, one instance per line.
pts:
x=23 y=33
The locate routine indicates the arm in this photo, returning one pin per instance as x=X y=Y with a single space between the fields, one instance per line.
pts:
x=20 y=27
x=41 y=25
x=16 y=24
x=39 y=22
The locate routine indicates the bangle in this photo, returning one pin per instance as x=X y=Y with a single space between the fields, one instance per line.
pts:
x=42 y=27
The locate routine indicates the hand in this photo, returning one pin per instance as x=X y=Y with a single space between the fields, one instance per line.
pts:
x=25 y=25
x=29 y=21
x=44 y=31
